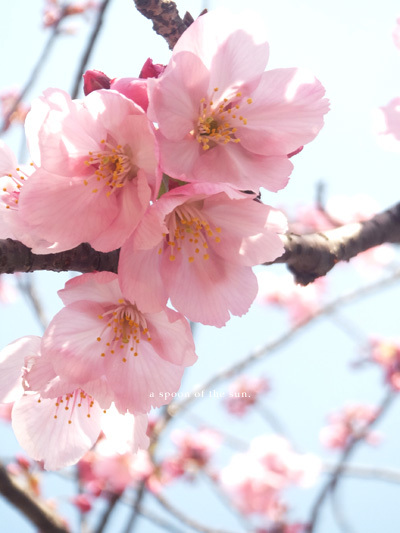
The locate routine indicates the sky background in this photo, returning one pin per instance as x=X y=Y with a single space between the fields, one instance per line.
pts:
x=349 y=47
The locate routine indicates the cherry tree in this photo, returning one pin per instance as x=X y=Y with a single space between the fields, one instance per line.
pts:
x=160 y=196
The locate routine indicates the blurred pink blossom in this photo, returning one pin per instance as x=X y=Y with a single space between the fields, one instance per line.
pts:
x=396 y=34
x=347 y=424
x=256 y=479
x=386 y=352
x=244 y=392
x=195 y=450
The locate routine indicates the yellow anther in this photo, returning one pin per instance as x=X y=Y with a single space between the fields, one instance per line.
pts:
x=249 y=100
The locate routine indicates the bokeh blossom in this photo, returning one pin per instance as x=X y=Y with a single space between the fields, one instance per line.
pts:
x=255 y=479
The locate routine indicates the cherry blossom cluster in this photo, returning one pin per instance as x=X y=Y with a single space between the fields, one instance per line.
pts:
x=348 y=424
x=256 y=479
x=167 y=168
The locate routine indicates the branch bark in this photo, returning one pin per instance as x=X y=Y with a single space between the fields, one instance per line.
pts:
x=165 y=17
x=307 y=256
x=35 y=511
x=311 y=256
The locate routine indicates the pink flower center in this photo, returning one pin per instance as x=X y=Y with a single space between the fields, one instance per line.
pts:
x=125 y=328
x=218 y=123
x=190 y=232
x=113 y=167
x=71 y=401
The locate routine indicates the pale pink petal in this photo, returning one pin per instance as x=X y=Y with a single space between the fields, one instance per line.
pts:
x=171 y=337
x=60 y=441
x=131 y=207
x=175 y=98
x=141 y=382
x=96 y=287
x=140 y=278
x=286 y=112
x=65 y=210
x=12 y=362
x=246 y=236
x=224 y=163
x=216 y=33
x=71 y=341
x=133 y=88
x=208 y=291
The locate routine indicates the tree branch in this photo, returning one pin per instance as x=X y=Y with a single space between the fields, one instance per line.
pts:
x=165 y=17
x=311 y=256
x=36 y=512
x=307 y=256
x=16 y=257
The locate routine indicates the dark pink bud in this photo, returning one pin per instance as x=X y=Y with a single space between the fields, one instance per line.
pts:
x=151 y=70
x=82 y=502
x=93 y=80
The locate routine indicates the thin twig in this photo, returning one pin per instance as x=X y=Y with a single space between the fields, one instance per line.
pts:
x=132 y=521
x=271 y=347
x=366 y=472
x=40 y=63
x=185 y=519
x=26 y=286
x=38 y=513
x=340 y=467
x=113 y=500
x=89 y=48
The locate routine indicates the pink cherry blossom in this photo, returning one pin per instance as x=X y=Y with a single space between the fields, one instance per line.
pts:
x=221 y=118
x=13 y=178
x=387 y=125
x=195 y=450
x=244 y=392
x=117 y=471
x=256 y=479
x=386 y=352
x=10 y=113
x=396 y=34
x=196 y=246
x=11 y=182
x=104 y=343
x=97 y=168
x=348 y=424
x=60 y=422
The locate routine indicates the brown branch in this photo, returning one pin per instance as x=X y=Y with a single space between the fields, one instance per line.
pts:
x=314 y=255
x=16 y=257
x=307 y=256
x=39 y=514
x=165 y=17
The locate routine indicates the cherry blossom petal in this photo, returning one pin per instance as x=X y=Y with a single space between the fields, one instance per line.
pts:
x=286 y=112
x=12 y=362
x=55 y=435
